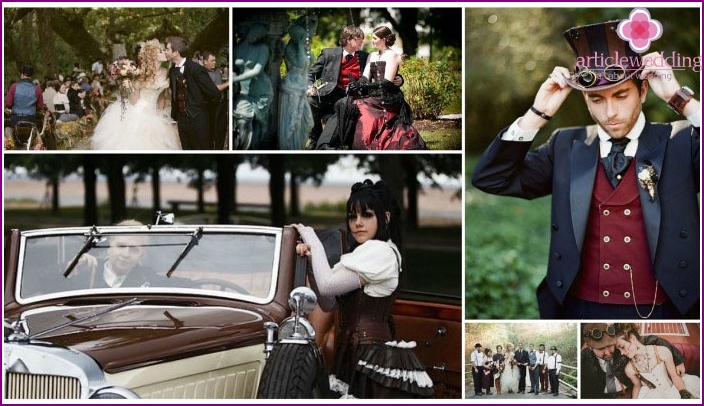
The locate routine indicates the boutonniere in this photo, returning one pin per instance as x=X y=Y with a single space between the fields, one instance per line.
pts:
x=648 y=179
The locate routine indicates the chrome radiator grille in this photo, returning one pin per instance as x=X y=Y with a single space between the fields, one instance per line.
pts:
x=28 y=386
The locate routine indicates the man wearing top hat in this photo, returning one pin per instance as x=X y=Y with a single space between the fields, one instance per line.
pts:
x=477 y=360
x=625 y=218
x=602 y=365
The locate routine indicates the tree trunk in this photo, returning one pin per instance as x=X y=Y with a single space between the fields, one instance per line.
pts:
x=295 y=199
x=277 y=184
x=410 y=168
x=200 y=185
x=406 y=28
x=156 y=189
x=69 y=26
x=90 y=200
x=55 y=195
x=116 y=188
x=225 y=187
x=47 y=50
x=391 y=172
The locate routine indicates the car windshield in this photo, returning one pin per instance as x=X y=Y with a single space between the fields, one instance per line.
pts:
x=232 y=263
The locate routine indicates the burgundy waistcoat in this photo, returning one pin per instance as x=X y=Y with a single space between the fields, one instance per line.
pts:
x=351 y=66
x=615 y=245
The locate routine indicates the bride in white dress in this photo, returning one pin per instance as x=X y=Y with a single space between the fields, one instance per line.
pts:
x=652 y=371
x=145 y=122
x=509 y=378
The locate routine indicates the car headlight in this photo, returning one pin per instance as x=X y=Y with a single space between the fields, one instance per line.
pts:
x=114 y=392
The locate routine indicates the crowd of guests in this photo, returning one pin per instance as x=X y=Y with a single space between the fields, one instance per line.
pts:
x=506 y=372
x=84 y=94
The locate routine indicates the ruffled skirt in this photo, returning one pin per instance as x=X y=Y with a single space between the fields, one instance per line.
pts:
x=135 y=128
x=382 y=371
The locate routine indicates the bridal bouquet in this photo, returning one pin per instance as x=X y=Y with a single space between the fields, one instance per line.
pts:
x=124 y=71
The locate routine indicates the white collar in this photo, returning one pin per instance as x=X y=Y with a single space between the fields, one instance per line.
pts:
x=111 y=278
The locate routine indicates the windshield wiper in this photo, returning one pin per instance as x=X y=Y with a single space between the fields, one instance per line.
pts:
x=90 y=316
x=94 y=233
x=195 y=238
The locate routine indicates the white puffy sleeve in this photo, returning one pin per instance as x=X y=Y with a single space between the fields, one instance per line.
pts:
x=378 y=263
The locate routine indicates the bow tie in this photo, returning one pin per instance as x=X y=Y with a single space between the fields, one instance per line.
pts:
x=348 y=57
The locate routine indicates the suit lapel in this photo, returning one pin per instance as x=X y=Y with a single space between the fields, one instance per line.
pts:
x=651 y=151
x=585 y=152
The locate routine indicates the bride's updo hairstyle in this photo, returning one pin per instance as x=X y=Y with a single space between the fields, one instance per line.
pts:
x=147 y=60
x=385 y=33
x=628 y=330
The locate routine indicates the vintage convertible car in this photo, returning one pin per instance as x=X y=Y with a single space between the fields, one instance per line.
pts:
x=187 y=323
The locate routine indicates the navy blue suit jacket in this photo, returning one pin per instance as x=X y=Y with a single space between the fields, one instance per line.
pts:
x=566 y=166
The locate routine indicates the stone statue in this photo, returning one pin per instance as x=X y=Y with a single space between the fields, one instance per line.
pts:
x=252 y=102
x=295 y=117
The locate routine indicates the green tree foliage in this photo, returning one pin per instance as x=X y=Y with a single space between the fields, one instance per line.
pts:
x=432 y=85
x=53 y=39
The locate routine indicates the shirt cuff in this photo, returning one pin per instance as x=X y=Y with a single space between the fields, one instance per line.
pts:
x=695 y=119
x=515 y=133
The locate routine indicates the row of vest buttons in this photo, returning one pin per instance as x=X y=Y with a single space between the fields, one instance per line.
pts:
x=626 y=239
x=626 y=212
x=625 y=294
x=626 y=267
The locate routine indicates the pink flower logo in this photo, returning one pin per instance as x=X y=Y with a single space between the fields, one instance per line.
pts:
x=639 y=30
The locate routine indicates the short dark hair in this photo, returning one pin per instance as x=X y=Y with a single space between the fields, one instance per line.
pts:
x=27 y=70
x=178 y=44
x=206 y=55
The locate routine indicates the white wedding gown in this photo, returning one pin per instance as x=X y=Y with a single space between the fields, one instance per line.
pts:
x=664 y=388
x=509 y=378
x=141 y=127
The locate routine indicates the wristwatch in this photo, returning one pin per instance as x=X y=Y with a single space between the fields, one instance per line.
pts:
x=680 y=99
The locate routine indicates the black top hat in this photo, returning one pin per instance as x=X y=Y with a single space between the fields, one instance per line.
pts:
x=604 y=60
x=477 y=345
x=553 y=348
x=27 y=70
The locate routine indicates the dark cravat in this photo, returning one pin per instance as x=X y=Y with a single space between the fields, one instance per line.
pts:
x=610 y=383
x=348 y=57
x=616 y=163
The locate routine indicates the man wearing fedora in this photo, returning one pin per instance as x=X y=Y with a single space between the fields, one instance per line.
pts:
x=602 y=365
x=477 y=360
x=625 y=215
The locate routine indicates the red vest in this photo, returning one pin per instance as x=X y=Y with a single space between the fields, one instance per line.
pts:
x=616 y=246
x=351 y=66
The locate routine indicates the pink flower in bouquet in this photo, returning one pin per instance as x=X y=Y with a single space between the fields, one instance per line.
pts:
x=124 y=70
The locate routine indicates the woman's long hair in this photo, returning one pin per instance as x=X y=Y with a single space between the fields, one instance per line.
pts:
x=377 y=197
x=147 y=60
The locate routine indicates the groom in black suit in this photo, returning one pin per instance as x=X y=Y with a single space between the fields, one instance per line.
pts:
x=333 y=67
x=192 y=90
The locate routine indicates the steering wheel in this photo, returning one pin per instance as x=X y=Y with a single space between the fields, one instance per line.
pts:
x=222 y=284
